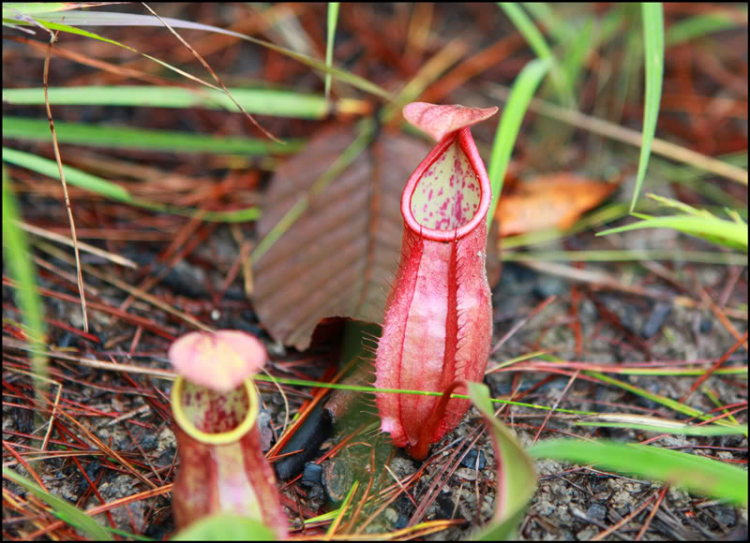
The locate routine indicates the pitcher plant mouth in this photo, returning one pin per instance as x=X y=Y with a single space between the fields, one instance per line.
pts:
x=449 y=193
x=211 y=417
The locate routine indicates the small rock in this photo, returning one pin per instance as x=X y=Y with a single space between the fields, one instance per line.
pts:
x=466 y=474
x=391 y=515
x=596 y=511
x=545 y=508
x=706 y=326
x=587 y=533
x=402 y=467
x=312 y=474
x=264 y=425
x=725 y=514
x=149 y=442
x=656 y=320
x=470 y=460
x=316 y=493
x=166 y=440
x=401 y=522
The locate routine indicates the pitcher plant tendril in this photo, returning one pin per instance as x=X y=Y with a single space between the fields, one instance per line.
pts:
x=438 y=319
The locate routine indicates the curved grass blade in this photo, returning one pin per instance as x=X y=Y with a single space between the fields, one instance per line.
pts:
x=73 y=176
x=692 y=472
x=543 y=13
x=578 y=50
x=32 y=8
x=142 y=139
x=654 y=424
x=653 y=37
x=720 y=231
x=725 y=168
x=536 y=41
x=70 y=514
x=516 y=476
x=333 y=16
x=657 y=398
x=704 y=257
x=110 y=190
x=505 y=138
x=94 y=18
x=527 y=28
x=697 y=27
x=77 y=31
x=279 y=103
x=20 y=268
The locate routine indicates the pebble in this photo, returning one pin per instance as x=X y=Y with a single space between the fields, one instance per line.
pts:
x=545 y=508
x=470 y=460
x=587 y=533
x=706 y=325
x=596 y=511
x=656 y=319
x=466 y=474
x=312 y=474
x=264 y=425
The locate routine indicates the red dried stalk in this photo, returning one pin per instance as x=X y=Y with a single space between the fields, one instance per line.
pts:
x=222 y=466
x=438 y=320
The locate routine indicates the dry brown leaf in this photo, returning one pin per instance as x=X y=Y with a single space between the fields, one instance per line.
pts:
x=549 y=201
x=340 y=255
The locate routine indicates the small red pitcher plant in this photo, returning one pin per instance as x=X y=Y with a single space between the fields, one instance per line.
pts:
x=215 y=405
x=438 y=320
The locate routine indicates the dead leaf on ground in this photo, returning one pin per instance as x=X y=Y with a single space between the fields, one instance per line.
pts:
x=549 y=201
x=340 y=256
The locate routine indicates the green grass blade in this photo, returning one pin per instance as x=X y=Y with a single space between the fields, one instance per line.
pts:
x=105 y=188
x=723 y=232
x=697 y=27
x=516 y=476
x=278 y=103
x=32 y=8
x=665 y=426
x=577 y=52
x=70 y=514
x=658 y=398
x=73 y=176
x=703 y=257
x=689 y=471
x=653 y=34
x=142 y=139
x=17 y=257
x=225 y=527
x=333 y=17
x=527 y=28
x=507 y=130
x=77 y=31
x=95 y=18
x=536 y=41
x=559 y=29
